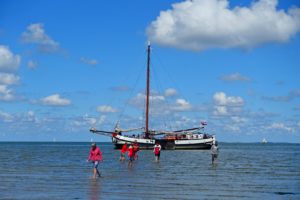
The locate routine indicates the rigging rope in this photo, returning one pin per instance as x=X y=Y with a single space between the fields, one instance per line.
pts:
x=173 y=82
x=131 y=94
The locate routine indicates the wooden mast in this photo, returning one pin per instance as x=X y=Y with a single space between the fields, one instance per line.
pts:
x=147 y=91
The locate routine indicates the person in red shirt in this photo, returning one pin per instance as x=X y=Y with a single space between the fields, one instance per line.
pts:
x=131 y=156
x=95 y=157
x=136 y=148
x=123 y=151
x=156 y=151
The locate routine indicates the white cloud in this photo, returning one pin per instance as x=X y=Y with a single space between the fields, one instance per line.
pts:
x=29 y=116
x=27 y=122
x=234 y=77
x=157 y=103
x=8 y=61
x=139 y=99
x=106 y=109
x=170 y=92
x=232 y=128
x=226 y=105
x=87 y=121
x=181 y=105
x=91 y=120
x=36 y=34
x=280 y=126
x=9 y=79
x=204 y=24
x=89 y=61
x=182 y=121
x=238 y=119
x=101 y=119
x=6 y=94
x=30 y=113
x=220 y=110
x=32 y=64
x=55 y=100
x=289 y=97
x=153 y=97
x=5 y=117
x=222 y=99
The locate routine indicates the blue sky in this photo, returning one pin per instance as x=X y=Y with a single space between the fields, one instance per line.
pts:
x=67 y=66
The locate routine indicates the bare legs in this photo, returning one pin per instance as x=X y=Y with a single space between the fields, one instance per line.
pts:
x=96 y=173
x=156 y=158
x=122 y=157
x=130 y=162
x=213 y=158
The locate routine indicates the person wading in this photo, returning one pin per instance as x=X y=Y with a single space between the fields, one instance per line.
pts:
x=131 y=156
x=156 y=151
x=136 y=148
x=214 y=152
x=95 y=157
x=123 y=151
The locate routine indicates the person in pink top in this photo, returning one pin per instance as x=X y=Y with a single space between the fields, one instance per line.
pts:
x=95 y=157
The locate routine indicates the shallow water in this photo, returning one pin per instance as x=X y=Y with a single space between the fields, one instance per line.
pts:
x=60 y=171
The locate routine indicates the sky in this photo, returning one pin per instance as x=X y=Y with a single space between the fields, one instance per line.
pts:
x=67 y=66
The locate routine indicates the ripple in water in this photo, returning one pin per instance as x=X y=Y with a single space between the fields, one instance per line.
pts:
x=60 y=171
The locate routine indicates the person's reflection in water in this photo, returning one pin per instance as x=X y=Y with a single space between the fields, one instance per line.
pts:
x=95 y=189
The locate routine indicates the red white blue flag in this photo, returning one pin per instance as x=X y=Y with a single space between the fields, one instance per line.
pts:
x=203 y=123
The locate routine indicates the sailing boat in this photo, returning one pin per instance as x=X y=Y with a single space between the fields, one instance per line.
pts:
x=192 y=138
x=264 y=141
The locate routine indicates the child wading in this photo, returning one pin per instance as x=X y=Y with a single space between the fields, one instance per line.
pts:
x=95 y=157
x=156 y=151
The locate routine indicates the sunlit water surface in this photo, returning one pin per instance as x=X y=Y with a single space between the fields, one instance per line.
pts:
x=60 y=171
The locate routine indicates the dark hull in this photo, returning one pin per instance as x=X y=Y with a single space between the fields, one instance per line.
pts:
x=141 y=146
x=170 y=145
